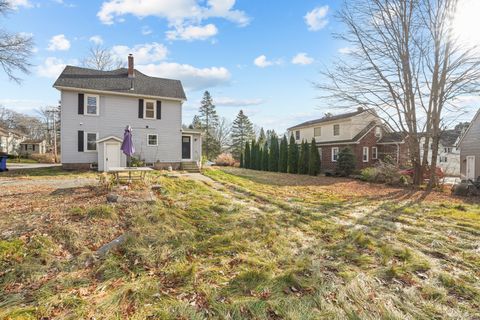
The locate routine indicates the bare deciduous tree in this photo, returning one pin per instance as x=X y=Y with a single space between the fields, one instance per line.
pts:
x=100 y=58
x=222 y=134
x=404 y=63
x=15 y=49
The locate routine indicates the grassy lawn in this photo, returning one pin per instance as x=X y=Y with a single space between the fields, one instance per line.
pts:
x=250 y=245
x=21 y=160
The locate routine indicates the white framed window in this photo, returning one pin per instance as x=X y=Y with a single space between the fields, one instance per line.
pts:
x=447 y=150
x=91 y=141
x=336 y=129
x=365 y=154
x=149 y=110
x=92 y=104
x=443 y=159
x=317 y=132
x=334 y=154
x=297 y=135
x=152 y=140
x=374 y=153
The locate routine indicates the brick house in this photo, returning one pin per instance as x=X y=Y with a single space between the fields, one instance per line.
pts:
x=362 y=131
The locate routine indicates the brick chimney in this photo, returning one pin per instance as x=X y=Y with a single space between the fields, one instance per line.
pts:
x=131 y=72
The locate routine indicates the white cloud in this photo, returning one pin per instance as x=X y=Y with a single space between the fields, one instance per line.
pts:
x=15 y=4
x=192 y=78
x=51 y=68
x=190 y=33
x=263 y=62
x=231 y=102
x=317 y=18
x=175 y=12
x=146 y=30
x=96 y=40
x=346 y=50
x=58 y=42
x=143 y=53
x=302 y=58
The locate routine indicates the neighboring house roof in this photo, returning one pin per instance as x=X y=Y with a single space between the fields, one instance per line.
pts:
x=392 y=137
x=475 y=118
x=12 y=131
x=448 y=138
x=32 y=141
x=355 y=139
x=331 y=118
x=117 y=81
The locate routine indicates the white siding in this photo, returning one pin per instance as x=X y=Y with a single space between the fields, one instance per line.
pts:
x=115 y=113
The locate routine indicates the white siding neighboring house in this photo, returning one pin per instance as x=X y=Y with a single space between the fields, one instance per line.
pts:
x=448 y=152
x=10 y=141
x=96 y=106
x=33 y=146
x=469 y=145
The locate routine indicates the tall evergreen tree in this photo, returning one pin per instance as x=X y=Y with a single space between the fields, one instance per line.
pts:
x=292 y=156
x=209 y=121
x=262 y=138
x=273 y=154
x=303 y=158
x=196 y=123
x=247 y=155
x=283 y=156
x=254 y=155
x=242 y=131
x=242 y=163
x=345 y=162
x=265 y=157
x=314 y=159
x=258 y=157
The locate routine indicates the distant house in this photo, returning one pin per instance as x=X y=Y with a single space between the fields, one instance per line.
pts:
x=448 y=154
x=362 y=131
x=10 y=141
x=96 y=106
x=469 y=145
x=33 y=146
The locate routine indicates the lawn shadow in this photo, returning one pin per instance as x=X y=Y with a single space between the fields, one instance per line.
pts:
x=40 y=172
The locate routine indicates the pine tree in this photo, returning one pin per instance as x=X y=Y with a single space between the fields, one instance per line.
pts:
x=345 y=162
x=262 y=138
x=242 y=131
x=247 y=155
x=273 y=154
x=258 y=157
x=292 y=156
x=265 y=157
x=209 y=121
x=196 y=123
x=314 y=159
x=283 y=156
x=253 y=155
x=242 y=164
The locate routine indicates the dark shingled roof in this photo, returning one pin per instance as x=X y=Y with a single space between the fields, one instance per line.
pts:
x=330 y=118
x=118 y=81
x=449 y=137
x=391 y=137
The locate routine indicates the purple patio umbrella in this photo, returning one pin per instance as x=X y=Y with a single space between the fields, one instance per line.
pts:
x=127 y=144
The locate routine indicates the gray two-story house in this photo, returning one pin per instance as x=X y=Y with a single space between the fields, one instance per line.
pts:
x=97 y=106
x=469 y=145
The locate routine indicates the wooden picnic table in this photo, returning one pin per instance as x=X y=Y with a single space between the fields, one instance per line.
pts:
x=134 y=173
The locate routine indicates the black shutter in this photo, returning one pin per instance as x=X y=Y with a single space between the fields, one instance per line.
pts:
x=81 y=101
x=140 y=108
x=80 y=141
x=159 y=109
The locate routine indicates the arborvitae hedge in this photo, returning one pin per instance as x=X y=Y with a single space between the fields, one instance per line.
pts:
x=314 y=159
x=292 y=156
x=247 y=155
x=265 y=157
x=303 y=158
x=283 y=157
x=273 y=154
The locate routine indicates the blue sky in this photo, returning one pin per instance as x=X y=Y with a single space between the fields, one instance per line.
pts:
x=260 y=56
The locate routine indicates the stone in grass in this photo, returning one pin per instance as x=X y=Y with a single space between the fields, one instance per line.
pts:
x=156 y=187
x=112 y=197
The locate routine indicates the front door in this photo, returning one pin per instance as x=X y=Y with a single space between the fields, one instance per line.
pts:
x=186 y=147
x=112 y=155
x=470 y=172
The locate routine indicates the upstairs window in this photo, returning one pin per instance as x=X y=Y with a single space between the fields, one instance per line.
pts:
x=447 y=150
x=150 y=110
x=443 y=159
x=336 y=129
x=317 y=132
x=91 y=101
x=297 y=135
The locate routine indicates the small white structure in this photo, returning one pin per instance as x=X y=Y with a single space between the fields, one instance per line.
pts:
x=109 y=153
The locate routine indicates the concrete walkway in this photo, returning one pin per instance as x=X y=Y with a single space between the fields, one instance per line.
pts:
x=18 y=166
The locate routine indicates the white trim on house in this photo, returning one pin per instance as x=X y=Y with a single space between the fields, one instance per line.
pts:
x=97 y=107
x=85 y=141
x=154 y=103
x=335 y=154
x=108 y=138
x=365 y=154
x=148 y=140
x=106 y=92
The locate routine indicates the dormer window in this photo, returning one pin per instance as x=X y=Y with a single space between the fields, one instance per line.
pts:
x=336 y=129
x=91 y=101
x=149 y=110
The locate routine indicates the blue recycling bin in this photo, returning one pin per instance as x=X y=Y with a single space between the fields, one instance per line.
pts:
x=3 y=163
